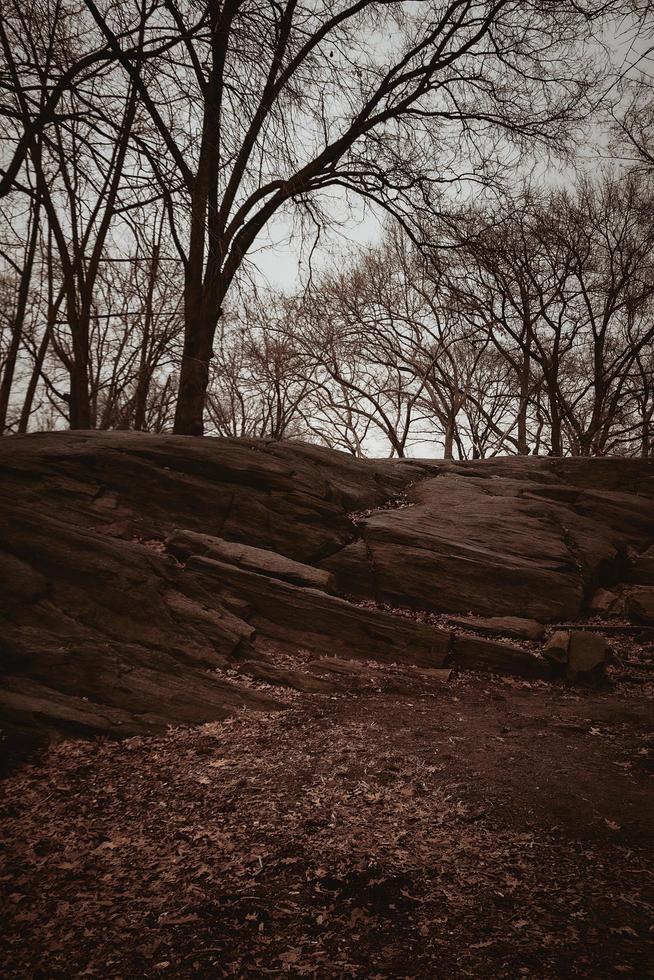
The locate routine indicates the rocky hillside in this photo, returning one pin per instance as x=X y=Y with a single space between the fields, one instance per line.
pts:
x=151 y=580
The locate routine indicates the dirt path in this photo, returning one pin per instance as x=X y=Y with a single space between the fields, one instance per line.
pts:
x=494 y=829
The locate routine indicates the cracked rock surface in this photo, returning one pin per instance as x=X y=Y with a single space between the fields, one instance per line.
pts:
x=143 y=575
x=507 y=537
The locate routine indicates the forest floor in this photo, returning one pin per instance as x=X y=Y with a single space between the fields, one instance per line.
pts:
x=497 y=828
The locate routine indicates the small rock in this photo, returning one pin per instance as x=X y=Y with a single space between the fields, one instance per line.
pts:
x=588 y=654
x=556 y=648
x=642 y=570
x=578 y=655
x=606 y=603
x=640 y=603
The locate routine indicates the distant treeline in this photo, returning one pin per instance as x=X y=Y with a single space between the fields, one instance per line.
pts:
x=533 y=331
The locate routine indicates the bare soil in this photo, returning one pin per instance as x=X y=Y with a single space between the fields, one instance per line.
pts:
x=495 y=828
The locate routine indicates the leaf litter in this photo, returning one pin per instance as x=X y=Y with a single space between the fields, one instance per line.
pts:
x=364 y=836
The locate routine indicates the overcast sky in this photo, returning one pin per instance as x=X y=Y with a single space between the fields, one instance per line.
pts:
x=283 y=249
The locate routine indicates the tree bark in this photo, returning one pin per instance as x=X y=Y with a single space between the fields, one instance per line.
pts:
x=145 y=373
x=523 y=406
x=448 y=443
x=80 y=399
x=28 y=402
x=555 y=429
x=19 y=320
x=194 y=377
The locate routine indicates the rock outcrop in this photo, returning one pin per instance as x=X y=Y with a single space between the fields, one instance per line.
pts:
x=139 y=573
x=507 y=537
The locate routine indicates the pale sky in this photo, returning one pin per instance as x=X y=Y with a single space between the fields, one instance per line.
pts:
x=282 y=252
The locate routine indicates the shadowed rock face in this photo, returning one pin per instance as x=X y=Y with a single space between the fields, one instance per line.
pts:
x=124 y=594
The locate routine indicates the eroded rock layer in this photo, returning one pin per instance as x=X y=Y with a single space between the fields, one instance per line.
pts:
x=137 y=569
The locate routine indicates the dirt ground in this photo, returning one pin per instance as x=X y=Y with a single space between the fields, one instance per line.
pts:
x=496 y=828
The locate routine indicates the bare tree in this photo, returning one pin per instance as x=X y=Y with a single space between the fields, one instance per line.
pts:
x=283 y=102
x=150 y=144
x=263 y=377
x=562 y=282
x=50 y=51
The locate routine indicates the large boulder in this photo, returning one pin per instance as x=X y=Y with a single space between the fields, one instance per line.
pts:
x=101 y=629
x=588 y=655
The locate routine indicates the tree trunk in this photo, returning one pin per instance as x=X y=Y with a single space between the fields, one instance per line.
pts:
x=28 y=403
x=53 y=310
x=523 y=405
x=200 y=301
x=556 y=436
x=555 y=430
x=585 y=444
x=19 y=320
x=141 y=400
x=145 y=374
x=9 y=371
x=448 y=442
x=645 y=439
x=80 y=399
x=80 y=404
x=194 y=378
